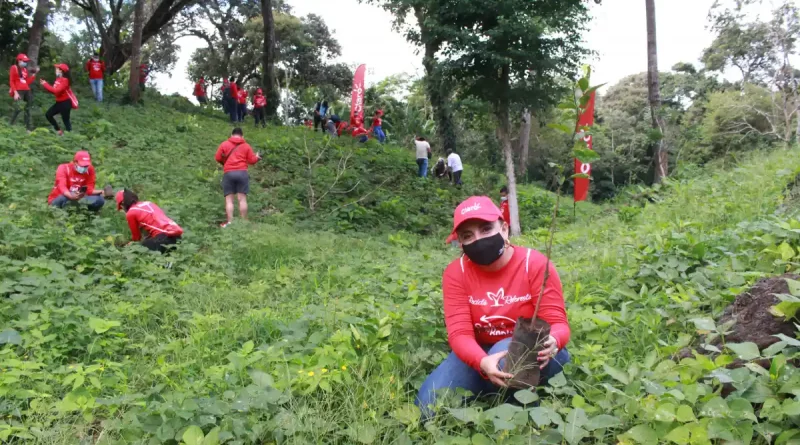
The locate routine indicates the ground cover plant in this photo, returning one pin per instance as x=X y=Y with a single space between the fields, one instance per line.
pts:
x=317 y=321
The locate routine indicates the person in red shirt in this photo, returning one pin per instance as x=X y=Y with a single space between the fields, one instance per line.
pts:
x=226 y=96
x=144 y=71
x=504 y=205
x=259 y=105
x=96 y=69
x=61 y=90
x=145 y=216
x=235 y=155
x=377 y=124
x=233 y=105
x=241 y=96
x=485 y=291
x=75 y=184
x=359 y=131
x=200 y=91
x=19 y=88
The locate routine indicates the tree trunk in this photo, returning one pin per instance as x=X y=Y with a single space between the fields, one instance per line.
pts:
x=504 y=134
x=136 y=56
x=270 y=87
x=654 y=95
x=524 y=143
x=37 y=30
x=437 y=89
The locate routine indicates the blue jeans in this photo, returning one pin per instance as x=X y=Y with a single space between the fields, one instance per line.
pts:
x=379 y=134
x=97 y=89
x=452 y=373
x=242 y=112
x=423 y=167
x=92 y=202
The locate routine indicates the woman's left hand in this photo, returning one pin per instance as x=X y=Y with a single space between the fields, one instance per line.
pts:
x=549 y=351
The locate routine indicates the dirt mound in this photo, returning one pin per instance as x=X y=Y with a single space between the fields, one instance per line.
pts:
x=752 y=319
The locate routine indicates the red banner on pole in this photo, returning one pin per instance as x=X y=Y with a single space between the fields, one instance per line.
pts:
x=357 y=97
x=582 y=184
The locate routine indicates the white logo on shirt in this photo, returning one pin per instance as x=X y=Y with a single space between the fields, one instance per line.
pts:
x=499 y=299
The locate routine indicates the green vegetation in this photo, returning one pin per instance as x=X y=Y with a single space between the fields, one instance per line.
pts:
x=317 y=326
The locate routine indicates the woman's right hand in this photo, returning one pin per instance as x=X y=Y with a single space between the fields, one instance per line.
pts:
x=16 y=95
x=490 y=365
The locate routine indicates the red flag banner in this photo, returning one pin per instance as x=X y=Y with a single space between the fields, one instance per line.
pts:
x=582 y=184
x=357 y=97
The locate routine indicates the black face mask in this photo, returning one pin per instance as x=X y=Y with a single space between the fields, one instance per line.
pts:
x=487 y=250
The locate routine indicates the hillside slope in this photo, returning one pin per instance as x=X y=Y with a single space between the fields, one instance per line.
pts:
x=268 y=333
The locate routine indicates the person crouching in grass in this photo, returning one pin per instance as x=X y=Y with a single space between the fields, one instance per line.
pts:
x=145 y=216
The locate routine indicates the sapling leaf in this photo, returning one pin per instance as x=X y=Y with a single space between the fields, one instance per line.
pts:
x=745 y=351
x=193 y=435
x=585 y=155
x=10 y=336
x=560 y=127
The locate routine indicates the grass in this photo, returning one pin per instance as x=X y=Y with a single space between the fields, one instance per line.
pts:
x=318 y=326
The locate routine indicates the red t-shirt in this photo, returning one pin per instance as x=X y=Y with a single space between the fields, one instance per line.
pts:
x=95 y=68
x=59 y=89
x=150 y=218
x=239 y=159
x=481 y=308
x=69 y=180
x=506 y=213
x=242 y=95
x=18 y=80
x=376 y=122
x=260 y=101
x=200 y=89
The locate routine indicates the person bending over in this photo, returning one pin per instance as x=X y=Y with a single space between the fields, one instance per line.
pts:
x=146 y=216
x=75 y=184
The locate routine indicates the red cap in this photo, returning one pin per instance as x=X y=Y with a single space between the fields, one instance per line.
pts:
x=83 y=159
x=259 y=91
x=62 y=66
x=474 y=207
x=118 y=198
x=22 y=58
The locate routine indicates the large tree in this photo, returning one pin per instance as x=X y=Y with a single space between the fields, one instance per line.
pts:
x=136 y=54
x=37 y=30
x=654 y=95
x=268 y=77
x=512 y=54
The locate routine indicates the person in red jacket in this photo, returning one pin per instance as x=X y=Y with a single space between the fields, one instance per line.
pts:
x=200 y=91
x=96 y=69
x=61 y=90
x=145 y=216
x=235 y=155
x=233 y=105
x=377 y=126
x=19 y=81
x=504 y=205
x=75 y=184
x=259 y=105
x=144 y=71
x=241 y=98
x=485 y=291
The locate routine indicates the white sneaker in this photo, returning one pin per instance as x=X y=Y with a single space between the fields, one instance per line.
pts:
x=225 y=224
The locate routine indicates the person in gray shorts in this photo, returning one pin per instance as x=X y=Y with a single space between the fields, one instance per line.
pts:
x=236 y=155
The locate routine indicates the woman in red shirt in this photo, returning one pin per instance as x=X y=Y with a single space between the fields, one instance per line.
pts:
x=259 y=105
x=148 y=217
x=485 y=291
x=61 y=90
x=19 y=81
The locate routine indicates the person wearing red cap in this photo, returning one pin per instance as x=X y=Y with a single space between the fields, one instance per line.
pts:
x=235 y=155
x=145 y=216
x=485 y=291
x=377 y=124
x=19 y=88
x=200 y=91
x=61 y=90
x=504 y=204
x=241 y=98
x=96 y=69
x=75 y=183
x=259 y=103
x=233 y=102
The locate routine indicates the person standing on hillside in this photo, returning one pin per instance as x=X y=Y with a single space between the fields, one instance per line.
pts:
x=20 y=89
x=454 y=166
x=377 y=124
x=242 y=99
x=317 y=116
x=96 y=69
x=259 y=105
x=75 y=184
x=64 y=98
x=504 y=204
x=144 y=71
x=486 y=290
x=423 y=149
x=233 y=104
x=148 y=217
x=235 y=155
x=200 y=91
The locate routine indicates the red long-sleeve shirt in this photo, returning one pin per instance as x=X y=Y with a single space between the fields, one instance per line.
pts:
x=200 y=89
x=241 y=96
x=234 y=91
x=481 y=308
x=259 y=101
x=235 y=160
x=18 y=80
x=96 y=68
x=69 y=180
x=506 y=213
x=59 y=89
x=150 y=218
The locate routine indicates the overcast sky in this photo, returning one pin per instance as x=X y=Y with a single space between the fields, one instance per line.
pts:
x=617 y=33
